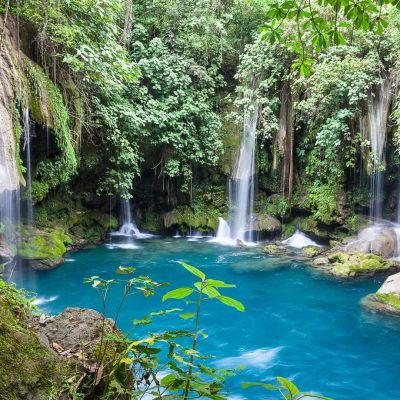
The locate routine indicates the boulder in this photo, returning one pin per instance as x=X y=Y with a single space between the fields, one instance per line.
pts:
x=391 y=285
x=387 y=298
x=84 y=334
x=378 y=240
x=266 y=224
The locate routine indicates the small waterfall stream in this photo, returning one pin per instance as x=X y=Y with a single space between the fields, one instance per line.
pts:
x=373 y=128
x=27 y=148
x=241 y=186
x=128 y=228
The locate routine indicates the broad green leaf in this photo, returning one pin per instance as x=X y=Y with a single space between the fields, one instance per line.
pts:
x=180 y=293
x=231 y=302
x=193 y=270
x=289 y=386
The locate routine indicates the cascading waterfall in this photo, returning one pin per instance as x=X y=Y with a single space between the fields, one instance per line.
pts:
x=241 y=186
x=373 y=128
x=27 y=148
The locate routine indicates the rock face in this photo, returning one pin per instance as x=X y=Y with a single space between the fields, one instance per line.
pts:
x=378 y=240
x=9 y=78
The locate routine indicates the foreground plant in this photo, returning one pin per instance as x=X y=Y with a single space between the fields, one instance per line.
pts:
x=287 y=389
x=187 y=375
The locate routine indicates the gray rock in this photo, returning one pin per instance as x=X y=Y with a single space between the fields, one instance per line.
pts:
x=378 y=240
x=391 y=285
x=77 y=328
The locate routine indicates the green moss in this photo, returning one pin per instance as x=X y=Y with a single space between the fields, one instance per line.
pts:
x=344 y=264
x=151 y=222
x=47 y=107
x=391 y=299
x=289 y=228
x=27 y=367
x=339 y=257
x=39 y=191
x=43 y=245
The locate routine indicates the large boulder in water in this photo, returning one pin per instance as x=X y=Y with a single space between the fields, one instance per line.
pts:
x=266 y=224
x=378 y=240
x=387 y=298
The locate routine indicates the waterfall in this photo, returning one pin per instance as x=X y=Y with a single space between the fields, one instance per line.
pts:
x=27 y=148
x=373 y=128
x=243 y=180
x=128 y=227
x=241 y=186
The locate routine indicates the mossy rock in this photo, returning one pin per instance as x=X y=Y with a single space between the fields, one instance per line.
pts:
x=389 y=303
x=45 y=247
x=311 y=251
x=28 y=368
x=274 y=249
x=344 y=265
x=288 y=229
x=183 y=216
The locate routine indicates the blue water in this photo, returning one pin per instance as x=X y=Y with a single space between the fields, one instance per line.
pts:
x=298 y=323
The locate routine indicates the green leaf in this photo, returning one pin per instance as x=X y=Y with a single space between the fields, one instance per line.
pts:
x=125 y=270
x=266 y=386
x=231 y=302
x=125 y=361
x=193 y=270
x=187 y=315
x=316 y=396
x=219 y=284
x=164 y=312
x=180 y=293
x=289 y=386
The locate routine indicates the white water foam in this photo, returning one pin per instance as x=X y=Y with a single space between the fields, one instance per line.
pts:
x=259 y=358
x=44 y=300
x=124 y=246
x=299 y=240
